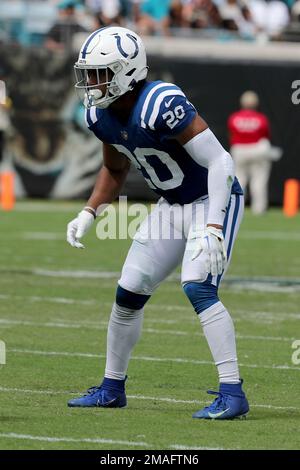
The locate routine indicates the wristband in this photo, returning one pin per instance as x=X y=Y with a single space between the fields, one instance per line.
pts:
x=91 y=210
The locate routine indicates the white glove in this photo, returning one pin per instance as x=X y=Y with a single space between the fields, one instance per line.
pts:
x=78 y=227
x=211 y=244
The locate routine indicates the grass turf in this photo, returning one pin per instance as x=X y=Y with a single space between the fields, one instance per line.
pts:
x=54 y=327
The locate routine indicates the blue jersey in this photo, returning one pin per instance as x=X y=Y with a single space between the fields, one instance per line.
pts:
x=147 y=139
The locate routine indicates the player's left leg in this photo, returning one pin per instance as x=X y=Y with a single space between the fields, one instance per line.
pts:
x=202 y=291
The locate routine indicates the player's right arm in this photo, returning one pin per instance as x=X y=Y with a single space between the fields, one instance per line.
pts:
x=107 y=187
x=110 y=178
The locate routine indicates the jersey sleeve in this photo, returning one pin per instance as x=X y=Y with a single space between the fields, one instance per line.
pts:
x=168 y=111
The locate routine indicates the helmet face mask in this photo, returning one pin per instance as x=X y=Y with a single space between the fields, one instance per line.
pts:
x=111 y=61
x=101 y=91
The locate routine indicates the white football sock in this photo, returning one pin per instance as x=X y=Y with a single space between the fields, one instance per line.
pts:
x=219 y=331
x=124 y=330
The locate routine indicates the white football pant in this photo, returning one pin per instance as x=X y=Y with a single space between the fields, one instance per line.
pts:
x=171 y=228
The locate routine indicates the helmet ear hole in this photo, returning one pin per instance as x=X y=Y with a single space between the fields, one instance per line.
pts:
x=128 y=74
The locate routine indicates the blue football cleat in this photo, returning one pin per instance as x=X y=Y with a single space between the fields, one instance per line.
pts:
x=110 y=394
x=231 y=402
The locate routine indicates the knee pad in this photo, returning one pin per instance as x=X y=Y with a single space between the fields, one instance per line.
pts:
x=202 y=295
x=130 y=300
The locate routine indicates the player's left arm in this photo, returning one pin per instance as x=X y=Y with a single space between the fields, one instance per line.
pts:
x=203 y=146
x=179 y=120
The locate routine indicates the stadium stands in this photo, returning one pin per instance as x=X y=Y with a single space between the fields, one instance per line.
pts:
x=29 y=21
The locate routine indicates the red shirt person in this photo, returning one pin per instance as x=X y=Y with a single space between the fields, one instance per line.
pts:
x=248 y=126
x=249 y=135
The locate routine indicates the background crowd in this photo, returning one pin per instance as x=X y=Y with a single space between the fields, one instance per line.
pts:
x=36 y=21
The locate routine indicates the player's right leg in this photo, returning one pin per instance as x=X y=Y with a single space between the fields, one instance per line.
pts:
x=157 y=249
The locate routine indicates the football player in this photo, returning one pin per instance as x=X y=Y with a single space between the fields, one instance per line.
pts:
x=152 y=125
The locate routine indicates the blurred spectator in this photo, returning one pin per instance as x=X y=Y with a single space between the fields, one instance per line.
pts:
x=176 y=11
x=107 y=12
x=270 y=17
x=135 y=12
x=247 y=27
x=154 y=17
x=94 y=6
x=27 y=21
x=62 y=33
x=231 y=14
x=296 y=10
x=200 y=14
x=249 y=132
x=236 y=16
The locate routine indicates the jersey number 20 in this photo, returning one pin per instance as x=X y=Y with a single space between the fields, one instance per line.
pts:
x=138 y=158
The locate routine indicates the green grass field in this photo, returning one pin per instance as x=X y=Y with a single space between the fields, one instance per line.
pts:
x=54 y=307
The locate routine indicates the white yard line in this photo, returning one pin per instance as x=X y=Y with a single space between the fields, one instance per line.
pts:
x=71 y=326
x=75 y=273
x=182 y=447
x=12 y=435
x=244 y=314
x=57 y=300
x=201 y=402
x=102 y=326
x=35 y=392
x=267 y=235
x=88 y=302
x=139 y=397
x=30 y=437
x=42 y=236
x=172 y=277
x=243 y=234
x=177 y=360
x=51 y=206
x=260 y=286
x=233 y=284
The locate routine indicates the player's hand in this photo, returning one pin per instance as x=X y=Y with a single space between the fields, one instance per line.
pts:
x=78 y=227
x=211 y=243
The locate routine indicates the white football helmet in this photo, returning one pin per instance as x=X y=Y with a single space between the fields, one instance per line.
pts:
x=117 y=51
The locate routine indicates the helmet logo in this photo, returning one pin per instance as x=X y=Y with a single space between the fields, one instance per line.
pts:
x=134 y=40
x=87 y=43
